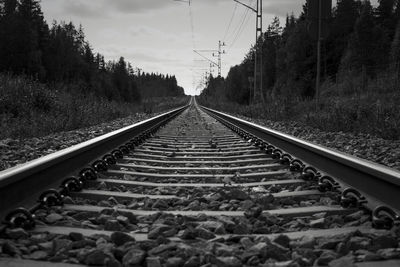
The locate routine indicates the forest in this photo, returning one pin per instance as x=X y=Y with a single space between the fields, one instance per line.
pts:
x=60 y=53
x=43 y=67
x=360 y=72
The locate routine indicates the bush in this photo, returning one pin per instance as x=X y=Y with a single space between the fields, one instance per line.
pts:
x=349 y=105
x=32 y=109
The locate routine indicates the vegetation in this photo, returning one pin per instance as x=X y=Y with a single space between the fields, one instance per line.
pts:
x=360 y=85
x=32 y=109
x=51 y=80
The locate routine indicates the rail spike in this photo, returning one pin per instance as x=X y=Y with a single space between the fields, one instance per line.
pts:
x=310 y=173
x=71 y=184
x=286 y=159
x=100 y=166
x=257 y=142
x=269 y=149
x=352 y=198
x=130 y=145
x=277 y=153
x=327 y=183
x=110 y=159
x=88 y=174
x=50 y=198
x=117 y=154
x=20 y=218
x=263 y=145
x=384 y=217
x=296 y=165
x=124 y=149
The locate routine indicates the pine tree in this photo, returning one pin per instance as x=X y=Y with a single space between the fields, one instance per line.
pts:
x=395 y=50
x=385 y=16
x=341 y=28
x=31 y=30
x=369 y=45
x=270 y=46
x=8 y=23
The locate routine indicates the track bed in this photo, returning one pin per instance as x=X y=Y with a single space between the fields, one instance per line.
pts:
x=195 y=193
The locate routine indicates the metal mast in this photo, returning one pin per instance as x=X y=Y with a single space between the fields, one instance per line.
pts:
x=258 y=59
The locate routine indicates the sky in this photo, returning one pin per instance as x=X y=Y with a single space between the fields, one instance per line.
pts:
x=160 y=35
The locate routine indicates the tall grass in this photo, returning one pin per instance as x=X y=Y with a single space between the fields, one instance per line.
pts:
x=32 y=109
x=349 y=105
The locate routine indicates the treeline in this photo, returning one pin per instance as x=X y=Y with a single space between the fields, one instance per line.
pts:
x=363 y=42
x=158 y=85
x=61 y=54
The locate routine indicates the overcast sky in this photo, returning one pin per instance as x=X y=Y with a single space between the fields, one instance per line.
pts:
x=157 y=36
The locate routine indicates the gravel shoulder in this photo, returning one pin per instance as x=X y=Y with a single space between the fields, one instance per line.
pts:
x=18 y=151
x=385 y=152
x=365 y=146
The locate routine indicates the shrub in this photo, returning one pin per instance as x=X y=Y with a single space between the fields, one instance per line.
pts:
x=32 y=109
x=344 y=106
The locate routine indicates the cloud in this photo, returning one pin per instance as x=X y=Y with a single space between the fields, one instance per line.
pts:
x=83 y=9
x=102 y=8
x=142 y=55
x=283 y=7
x=137 y=6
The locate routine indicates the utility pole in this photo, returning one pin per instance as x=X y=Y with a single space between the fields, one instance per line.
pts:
x=258 y=58
x=219 y=55
x=319 y=12
x=212 y=63
x=318 y=78
x=215 y=53
x=211 y=69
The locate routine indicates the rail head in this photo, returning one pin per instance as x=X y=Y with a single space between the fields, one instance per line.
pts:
x=18 y=185
x=381 y=184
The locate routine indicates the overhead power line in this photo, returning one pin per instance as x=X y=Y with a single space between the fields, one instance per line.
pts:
x=230 y=22
x=258 y=58
x=189 y=2
x=241 y=26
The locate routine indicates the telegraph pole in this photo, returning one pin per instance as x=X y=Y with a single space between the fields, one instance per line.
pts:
x=216 y=53
x=259 y=46
x=318 y=78
x=219 y=55
x=319 y=12
x=198 y=52
x=258 y=60
x=211 y=69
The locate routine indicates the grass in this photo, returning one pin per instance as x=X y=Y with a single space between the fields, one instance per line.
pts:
x=32 y=109
x=350 y=105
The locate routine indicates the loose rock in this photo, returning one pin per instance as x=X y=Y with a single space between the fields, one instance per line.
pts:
x=133 y=257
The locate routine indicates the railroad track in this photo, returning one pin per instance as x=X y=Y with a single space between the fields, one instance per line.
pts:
x=195 y=187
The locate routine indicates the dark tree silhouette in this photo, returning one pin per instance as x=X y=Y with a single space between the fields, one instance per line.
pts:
x=61 y=54
x=363 y=41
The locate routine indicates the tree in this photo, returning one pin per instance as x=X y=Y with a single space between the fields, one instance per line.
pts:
x=269 y=50
x=395 y=50
x=385 y=16
x=369 y=46
x=238 y=85
x=32 y=32
x=8 y=23
x=341 y=28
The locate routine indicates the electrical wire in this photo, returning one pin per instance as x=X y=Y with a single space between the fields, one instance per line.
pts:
x=238 y=26
x=230 y=22
x=240 y=29
x=192 y=24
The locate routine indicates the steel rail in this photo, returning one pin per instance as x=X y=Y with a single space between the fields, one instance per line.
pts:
x=21 y=185
x=379 y=184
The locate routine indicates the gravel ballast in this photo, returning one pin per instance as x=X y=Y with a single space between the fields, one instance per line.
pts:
x=365 y=146
x=385 y=152
x=18 y=151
